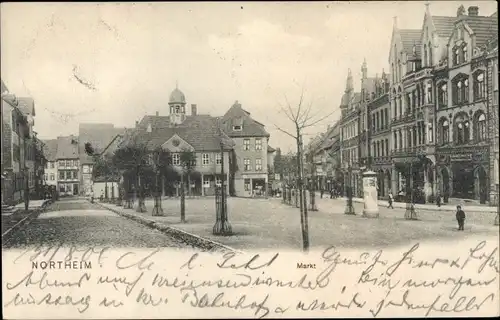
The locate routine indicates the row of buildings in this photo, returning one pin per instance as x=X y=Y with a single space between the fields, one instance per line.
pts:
x=247 y=155
x=22 y=160
x=431 y=123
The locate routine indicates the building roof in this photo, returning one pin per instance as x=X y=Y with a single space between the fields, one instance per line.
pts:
x=49 y=148
x=3 y=87
x=270 y=149
x=99 y=135
x=237 y=116
x=201 y=132
x=484 y=28
x=177 y=97
x=444 y=25
x=409 y=39
x=67 y=147
x=26 y=105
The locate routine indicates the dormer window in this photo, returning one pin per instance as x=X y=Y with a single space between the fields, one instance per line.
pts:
x=177 y=109
x=237 y=128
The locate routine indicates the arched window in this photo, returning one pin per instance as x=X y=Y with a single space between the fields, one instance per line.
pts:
x=177 y=109
x=418 y=96
x=399 y=70
x=377 y=123
x=382 y=149
x=387 y=147
x=400 y=139
x=443 y=95
x=479 y=86
x=465 y=91
x=425 y=56
x=445 y=132
x=462 y=130
x=428 y=93
x=408 y=103
x=430 y=55
x=456 y=56
x=395 y=140
x=481 y=127
x=464 y=51
x=378 y=148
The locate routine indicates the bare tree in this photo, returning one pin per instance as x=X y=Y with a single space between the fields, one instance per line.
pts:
x=302 y=119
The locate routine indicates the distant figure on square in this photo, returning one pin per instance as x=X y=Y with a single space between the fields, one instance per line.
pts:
x=460 y=218
x=391 y=199
x=322 y=192
x=438 y=200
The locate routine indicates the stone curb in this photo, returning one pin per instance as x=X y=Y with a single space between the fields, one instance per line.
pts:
x=23 y=221
x=188 y=238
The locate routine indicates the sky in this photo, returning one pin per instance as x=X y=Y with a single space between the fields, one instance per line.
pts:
x=129 y=57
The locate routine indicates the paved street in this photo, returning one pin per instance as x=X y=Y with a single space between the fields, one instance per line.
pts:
x=267 y=223
x=77 y=222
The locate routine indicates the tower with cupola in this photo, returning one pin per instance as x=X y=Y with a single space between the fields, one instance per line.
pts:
x=177 y=105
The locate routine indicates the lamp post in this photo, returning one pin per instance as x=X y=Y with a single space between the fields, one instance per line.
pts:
x=349 y=209
x=222 y=226
x=410 y=213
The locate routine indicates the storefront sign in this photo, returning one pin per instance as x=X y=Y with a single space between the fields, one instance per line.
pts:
x=461 y=157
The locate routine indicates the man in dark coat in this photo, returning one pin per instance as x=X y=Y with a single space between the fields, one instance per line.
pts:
x=460 y=218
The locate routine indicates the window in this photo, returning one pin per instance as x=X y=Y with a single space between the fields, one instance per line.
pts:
x=61 y=163
x=430 y=131
x=445 y=131
x=386 y=147
x=218 y=158
x=461 y=130
x=46 y=176
x=481 y=128
x=258 y=144
x=464 y=51
x=205 y=159
x=465 y=91
x=428 y=93
x=395 y=140
x=431 y=62
x=237 y=128
x=246 y=165
x=247 y=185
x=456 y=56
x=461 y=91
x=479 y=86
x=52 y=177
x=85 y=169
x=52 y=165
x=62 y=188
x=218 y=182
x=176 y=159
x=69 y=163
x=61 y=175
x=258 y=164
x=443 y=95
x=46 y=165
x=246 y=144
x=206 y=183
x=75 y=175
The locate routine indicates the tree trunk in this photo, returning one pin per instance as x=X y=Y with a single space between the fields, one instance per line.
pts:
x=303 y=207
x=141 y=206
x=183 y=200
x=189 y=184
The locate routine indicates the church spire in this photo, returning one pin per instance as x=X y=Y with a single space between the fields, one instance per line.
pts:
x=364 y=69
x=349 y=86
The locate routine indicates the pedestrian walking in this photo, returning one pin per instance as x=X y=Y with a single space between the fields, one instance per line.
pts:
x=438 y=200
x=391 y=199
x=460 y=218
x=321 y=193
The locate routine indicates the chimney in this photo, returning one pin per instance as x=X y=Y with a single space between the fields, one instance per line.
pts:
x=157 y=113
x=473 y=11
x=136 y=123
x=236 y=103
x=194 y=111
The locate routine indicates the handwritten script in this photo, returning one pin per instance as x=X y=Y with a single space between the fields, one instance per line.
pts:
x=416 y=280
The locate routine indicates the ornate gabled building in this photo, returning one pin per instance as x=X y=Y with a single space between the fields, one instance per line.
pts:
x=350 y=106
x=463 y=146
x=379 y=134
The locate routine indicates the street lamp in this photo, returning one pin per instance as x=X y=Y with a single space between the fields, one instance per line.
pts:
x=349 y=209
x=222 y=226
x=410 y=213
